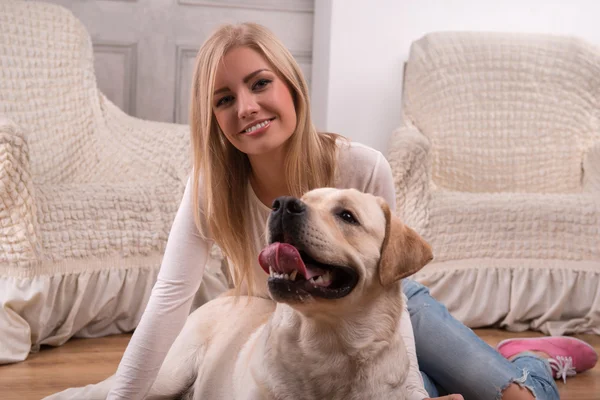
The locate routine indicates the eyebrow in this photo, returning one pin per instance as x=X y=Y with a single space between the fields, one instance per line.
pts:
x=346 y=204
x=246 y=79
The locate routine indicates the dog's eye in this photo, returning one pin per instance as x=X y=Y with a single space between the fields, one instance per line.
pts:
x=348 y=217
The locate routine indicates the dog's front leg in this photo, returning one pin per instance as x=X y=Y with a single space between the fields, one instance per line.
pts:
x=179 y=370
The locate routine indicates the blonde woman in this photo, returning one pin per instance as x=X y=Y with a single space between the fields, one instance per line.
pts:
x=253 y=140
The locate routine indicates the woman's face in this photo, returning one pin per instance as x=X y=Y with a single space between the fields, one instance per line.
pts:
x=252 y=104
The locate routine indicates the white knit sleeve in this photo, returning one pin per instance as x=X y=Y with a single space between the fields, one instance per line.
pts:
x=382 y=181
x=178 y=280
x=382 y=184
x=414 y=381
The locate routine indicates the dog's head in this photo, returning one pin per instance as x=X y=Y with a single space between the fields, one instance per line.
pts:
x=335 y=244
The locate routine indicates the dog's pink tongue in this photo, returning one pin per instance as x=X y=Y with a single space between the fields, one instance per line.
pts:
x=282 y=257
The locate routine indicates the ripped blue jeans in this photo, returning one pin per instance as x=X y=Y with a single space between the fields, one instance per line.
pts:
x=453 y=359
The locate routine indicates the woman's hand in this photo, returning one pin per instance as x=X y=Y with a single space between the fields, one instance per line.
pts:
x=449 y=397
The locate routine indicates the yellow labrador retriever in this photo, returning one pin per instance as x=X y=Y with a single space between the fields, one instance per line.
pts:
x=335 y=261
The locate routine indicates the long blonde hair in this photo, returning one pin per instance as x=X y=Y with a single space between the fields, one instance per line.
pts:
x=223 y=170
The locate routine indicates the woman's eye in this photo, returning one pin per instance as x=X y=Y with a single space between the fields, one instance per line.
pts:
x=224 y=101
x=348 y=217
x=261 y=84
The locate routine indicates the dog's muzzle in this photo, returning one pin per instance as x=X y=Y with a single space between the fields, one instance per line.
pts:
x=293 y=267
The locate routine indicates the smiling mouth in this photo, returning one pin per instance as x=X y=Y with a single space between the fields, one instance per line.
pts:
x=258 y=126
x=293 y=275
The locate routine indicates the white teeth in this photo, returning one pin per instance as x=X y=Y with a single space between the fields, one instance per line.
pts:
x=289 y=277
x=257 y=126
x=323 y=280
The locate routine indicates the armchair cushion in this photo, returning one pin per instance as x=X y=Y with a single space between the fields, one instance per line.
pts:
x=19 y=243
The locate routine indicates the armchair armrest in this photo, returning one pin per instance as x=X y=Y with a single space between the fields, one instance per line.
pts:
x=161 y=147
x=591 y=169
x=19 y=245
x=409 y=157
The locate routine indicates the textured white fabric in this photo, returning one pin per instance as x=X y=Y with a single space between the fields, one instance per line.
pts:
x=504 y=112
x=358 y=167
x=591 y=166
x=497 y=165
x=87 y=193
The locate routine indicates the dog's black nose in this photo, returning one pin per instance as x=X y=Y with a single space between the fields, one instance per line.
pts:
x=288 y=205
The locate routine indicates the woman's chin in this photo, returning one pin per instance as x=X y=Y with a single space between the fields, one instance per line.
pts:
x=265 y=145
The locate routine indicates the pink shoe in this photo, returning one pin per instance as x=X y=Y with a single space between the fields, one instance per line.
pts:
x=567 y=354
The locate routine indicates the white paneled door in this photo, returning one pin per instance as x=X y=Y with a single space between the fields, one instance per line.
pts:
x=144 y=50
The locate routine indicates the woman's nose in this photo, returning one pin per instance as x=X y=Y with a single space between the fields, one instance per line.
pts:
x=247 y=105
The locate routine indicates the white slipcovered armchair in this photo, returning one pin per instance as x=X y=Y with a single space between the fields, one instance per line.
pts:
x=497 y=164
x=87 y=193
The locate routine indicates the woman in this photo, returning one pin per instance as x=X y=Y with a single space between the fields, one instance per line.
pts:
x=253 y=140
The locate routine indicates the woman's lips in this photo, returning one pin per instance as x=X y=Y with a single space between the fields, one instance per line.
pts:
x=264 y=125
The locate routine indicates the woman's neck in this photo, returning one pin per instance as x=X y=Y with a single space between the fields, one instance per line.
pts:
x=268 y=178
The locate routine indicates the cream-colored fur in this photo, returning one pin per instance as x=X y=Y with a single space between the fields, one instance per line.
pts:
x=306 y=347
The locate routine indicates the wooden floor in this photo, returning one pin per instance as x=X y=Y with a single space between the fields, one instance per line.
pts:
x=84 y=361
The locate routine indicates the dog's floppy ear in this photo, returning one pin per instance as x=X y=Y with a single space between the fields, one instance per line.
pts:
x=403 y=252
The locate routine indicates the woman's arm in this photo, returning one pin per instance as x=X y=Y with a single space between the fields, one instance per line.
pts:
x=178 y=280
x=414 y=380
x=382 y=184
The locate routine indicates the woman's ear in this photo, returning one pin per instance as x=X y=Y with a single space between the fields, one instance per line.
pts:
x=403 y=251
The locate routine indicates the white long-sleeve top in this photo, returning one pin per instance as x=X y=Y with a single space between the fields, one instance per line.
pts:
x=182 y=268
